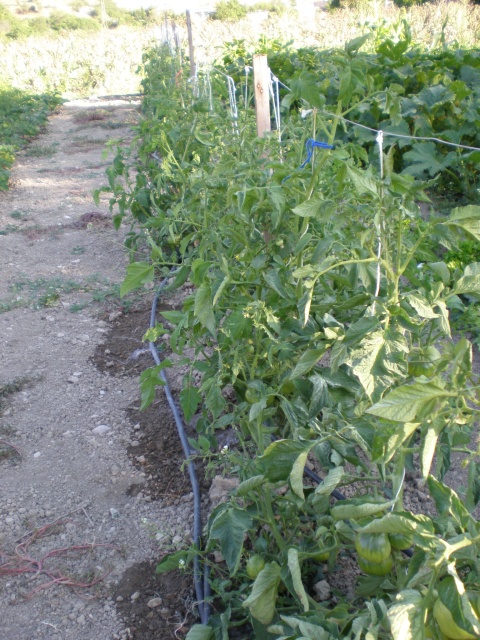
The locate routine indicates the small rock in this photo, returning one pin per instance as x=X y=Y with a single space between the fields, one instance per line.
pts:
x=37 y=454
x=141 y=459
x=113 y=316
x=81 y=619
x=220 y=488
x=114 y=513
x=322 y=589
x=72 y=379
x=177 y=539
x=154 y=602
x=101 y=430
x=135 y=443
x=119 y=599
x=135 y=596
x=9 y=521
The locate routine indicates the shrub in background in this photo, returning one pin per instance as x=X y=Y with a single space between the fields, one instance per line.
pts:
x=229 y=10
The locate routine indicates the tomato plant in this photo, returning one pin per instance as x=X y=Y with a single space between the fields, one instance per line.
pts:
x=317 y=328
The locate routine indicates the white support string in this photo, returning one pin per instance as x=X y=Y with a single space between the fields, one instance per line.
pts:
x=208 y=89
x=379 y=141
x=232 y=96
x=275 y=96
x=247 y=71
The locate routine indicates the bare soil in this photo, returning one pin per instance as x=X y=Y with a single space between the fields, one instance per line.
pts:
x=83 y=515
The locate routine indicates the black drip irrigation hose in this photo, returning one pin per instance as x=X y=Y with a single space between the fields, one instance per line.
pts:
x=202 y=586
x=201 y=575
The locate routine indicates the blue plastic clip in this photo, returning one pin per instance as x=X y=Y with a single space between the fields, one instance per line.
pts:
x=310 y=146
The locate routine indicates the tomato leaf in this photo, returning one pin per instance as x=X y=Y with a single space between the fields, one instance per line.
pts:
x=200 y=632
x=279 y=457
x=405 y=403
x=262 y=599
x=190 y=398
x=229 y=528
x=204 y=307
x=296 y=573
x=406 y=616
x=138 y=274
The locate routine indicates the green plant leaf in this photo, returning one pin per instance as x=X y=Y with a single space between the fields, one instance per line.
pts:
x=250 y=484
x=296 y=573
x=406 y=616
x=149 y=381
x=229 y=528
x=421 y=306
x=296 y=474
x=172 y=561
x=309 y=208
x=395 y=441
x=357 y=508
x=467 y=284
x=447 y=502
x=200 y=632
x=363 y=183
x=308 y=360
x=330 y=482
x=279 y=457
x=261 y=601
x=190 y=398
x=429 y=445
x=138 y=274
x=452 y=593
x=405 y=403
x=467 y=218
x=203 y=308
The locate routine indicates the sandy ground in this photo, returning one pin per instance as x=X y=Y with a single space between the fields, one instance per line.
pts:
x=61 y=263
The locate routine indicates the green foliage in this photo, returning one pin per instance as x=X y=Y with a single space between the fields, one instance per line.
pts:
x=229 y=10
x=22 y=117
x=318 y=330
x=62 y=21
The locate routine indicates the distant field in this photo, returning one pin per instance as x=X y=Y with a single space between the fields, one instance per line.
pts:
x=45 y=7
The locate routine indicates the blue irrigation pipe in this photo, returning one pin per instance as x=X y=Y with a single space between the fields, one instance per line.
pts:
x=202 y=586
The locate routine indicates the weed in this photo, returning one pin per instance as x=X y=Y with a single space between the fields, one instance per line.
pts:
x=85 y=141
x=19 y=215
x=14 y=386
x=41 y=150
x=91 y=115
x=78 y=251
x=10 y=228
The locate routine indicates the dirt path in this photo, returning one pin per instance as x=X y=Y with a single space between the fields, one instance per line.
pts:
x=69 y=405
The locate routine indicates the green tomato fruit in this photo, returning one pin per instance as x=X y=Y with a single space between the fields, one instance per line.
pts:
x=374 y=547
x=422 y=362
x=447 y=624
x=400 y=541
x=255 y=391
x=287 y=388
x=376 y=568
x=254 y=565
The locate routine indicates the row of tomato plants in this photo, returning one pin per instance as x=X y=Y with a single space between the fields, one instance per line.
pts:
x=319 y=326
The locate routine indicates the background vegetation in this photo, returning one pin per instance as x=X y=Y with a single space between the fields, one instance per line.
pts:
x=22 y=116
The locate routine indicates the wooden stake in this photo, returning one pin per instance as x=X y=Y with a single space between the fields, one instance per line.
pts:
x=191 y=52
x=261 y=79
